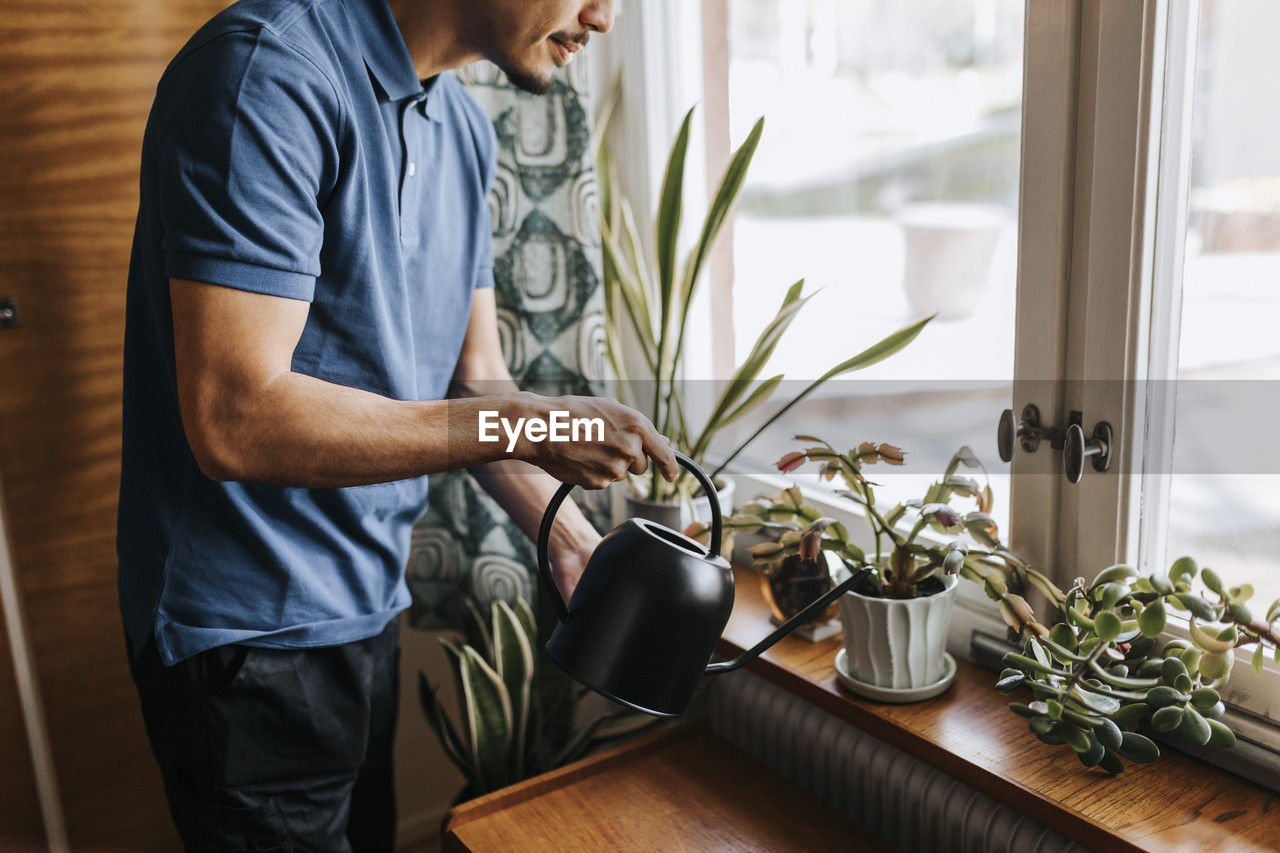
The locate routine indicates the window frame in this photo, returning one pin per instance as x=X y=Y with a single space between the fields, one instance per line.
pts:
x=1096 y=302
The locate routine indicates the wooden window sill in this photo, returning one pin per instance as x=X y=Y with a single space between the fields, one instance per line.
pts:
x=969 y=733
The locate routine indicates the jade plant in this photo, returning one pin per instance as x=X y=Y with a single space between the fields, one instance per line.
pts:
x=648 y=294
x=517 y=710
x=1104 y=676
x=1102 y=679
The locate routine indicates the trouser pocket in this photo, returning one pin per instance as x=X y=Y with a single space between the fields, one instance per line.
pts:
x=284 y=715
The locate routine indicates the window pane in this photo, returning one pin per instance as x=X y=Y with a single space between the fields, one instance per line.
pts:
x=888 y=177
x=1224 y=505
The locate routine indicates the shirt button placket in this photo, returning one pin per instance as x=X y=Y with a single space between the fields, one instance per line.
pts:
x=410 y=136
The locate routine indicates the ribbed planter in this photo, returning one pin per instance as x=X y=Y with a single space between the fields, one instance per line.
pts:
x=897 y=643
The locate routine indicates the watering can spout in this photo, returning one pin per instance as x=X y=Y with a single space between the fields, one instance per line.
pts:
x=790 y=625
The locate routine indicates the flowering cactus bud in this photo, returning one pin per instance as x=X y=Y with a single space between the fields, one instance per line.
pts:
x=791 y=462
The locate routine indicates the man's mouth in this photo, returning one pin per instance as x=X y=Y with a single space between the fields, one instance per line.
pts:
x=568 y=46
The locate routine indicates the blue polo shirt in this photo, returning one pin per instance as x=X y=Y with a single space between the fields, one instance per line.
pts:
x=292 y=151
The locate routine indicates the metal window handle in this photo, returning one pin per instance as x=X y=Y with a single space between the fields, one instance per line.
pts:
x=1029 y=432
x=9 y=313
x=1078 y=448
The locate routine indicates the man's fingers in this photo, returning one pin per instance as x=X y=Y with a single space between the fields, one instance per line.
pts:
x=659 y=449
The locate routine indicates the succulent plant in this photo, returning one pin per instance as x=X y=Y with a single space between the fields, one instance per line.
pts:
x=517 y=713
x=1100 y=678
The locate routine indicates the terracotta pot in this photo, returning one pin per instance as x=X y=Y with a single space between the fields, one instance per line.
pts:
x=790 y=586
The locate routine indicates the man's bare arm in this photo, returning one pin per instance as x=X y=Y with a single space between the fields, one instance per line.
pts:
x=522 y=490
x=248 y=417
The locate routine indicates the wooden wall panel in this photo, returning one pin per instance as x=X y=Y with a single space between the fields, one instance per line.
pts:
x=76 y=82
x=20 y=823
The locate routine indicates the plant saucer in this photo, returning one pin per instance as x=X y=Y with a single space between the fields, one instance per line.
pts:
x=894 y=694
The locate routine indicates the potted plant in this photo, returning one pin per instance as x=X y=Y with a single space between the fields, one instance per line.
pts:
x=517 y=716
x=647 y=298
x=1105 y=680
x=895 y=622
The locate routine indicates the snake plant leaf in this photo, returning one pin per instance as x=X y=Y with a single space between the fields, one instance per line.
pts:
x=598 y=730
x=631 y=292
x=873 y=354
x=475 y=630
x=487 y=709
x=722 y=202
x=513 y=651
x=670 y=209
x=438 y=719
x=528 y=622
x=765 y=344
x=758 y=396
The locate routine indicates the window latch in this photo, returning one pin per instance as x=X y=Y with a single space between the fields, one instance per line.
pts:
x=1071 y=440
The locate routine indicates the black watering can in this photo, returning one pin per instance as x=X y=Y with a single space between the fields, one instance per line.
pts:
x=644 y=619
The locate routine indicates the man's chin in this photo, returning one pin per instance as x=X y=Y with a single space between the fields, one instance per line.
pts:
x=533 y=82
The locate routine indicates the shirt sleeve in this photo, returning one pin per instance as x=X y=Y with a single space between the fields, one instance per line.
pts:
x=245 y=134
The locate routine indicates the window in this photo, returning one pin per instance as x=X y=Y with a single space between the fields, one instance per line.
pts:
x=1128 y=148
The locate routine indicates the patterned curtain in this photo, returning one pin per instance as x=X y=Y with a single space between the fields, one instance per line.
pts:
x=546 y=243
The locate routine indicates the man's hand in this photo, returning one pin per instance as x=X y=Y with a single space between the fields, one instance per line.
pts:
x=630 y=440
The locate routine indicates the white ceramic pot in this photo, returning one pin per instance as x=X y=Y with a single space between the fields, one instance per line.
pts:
x=897 y=643
x=673 y=515
x=949 y=247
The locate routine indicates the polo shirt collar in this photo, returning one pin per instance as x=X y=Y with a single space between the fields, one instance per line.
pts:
x=384 y=50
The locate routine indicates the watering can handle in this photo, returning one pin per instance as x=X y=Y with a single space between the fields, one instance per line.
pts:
x=549 y=517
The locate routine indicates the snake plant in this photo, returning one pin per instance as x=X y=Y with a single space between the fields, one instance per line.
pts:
x=516 y=709
x=648 y=295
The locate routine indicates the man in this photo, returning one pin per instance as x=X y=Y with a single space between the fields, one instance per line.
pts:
x=311 y=270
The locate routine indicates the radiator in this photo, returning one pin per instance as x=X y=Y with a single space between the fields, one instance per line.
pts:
x=896 y=797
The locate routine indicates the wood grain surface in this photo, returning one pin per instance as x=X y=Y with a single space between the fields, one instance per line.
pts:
x=684 y=789
x=1175 y=803
x=76 y=82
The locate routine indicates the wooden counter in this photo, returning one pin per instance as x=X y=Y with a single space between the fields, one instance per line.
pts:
x=682 y=789
x=1174 y=803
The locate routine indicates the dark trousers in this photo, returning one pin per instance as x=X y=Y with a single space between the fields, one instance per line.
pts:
x=277 y=749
